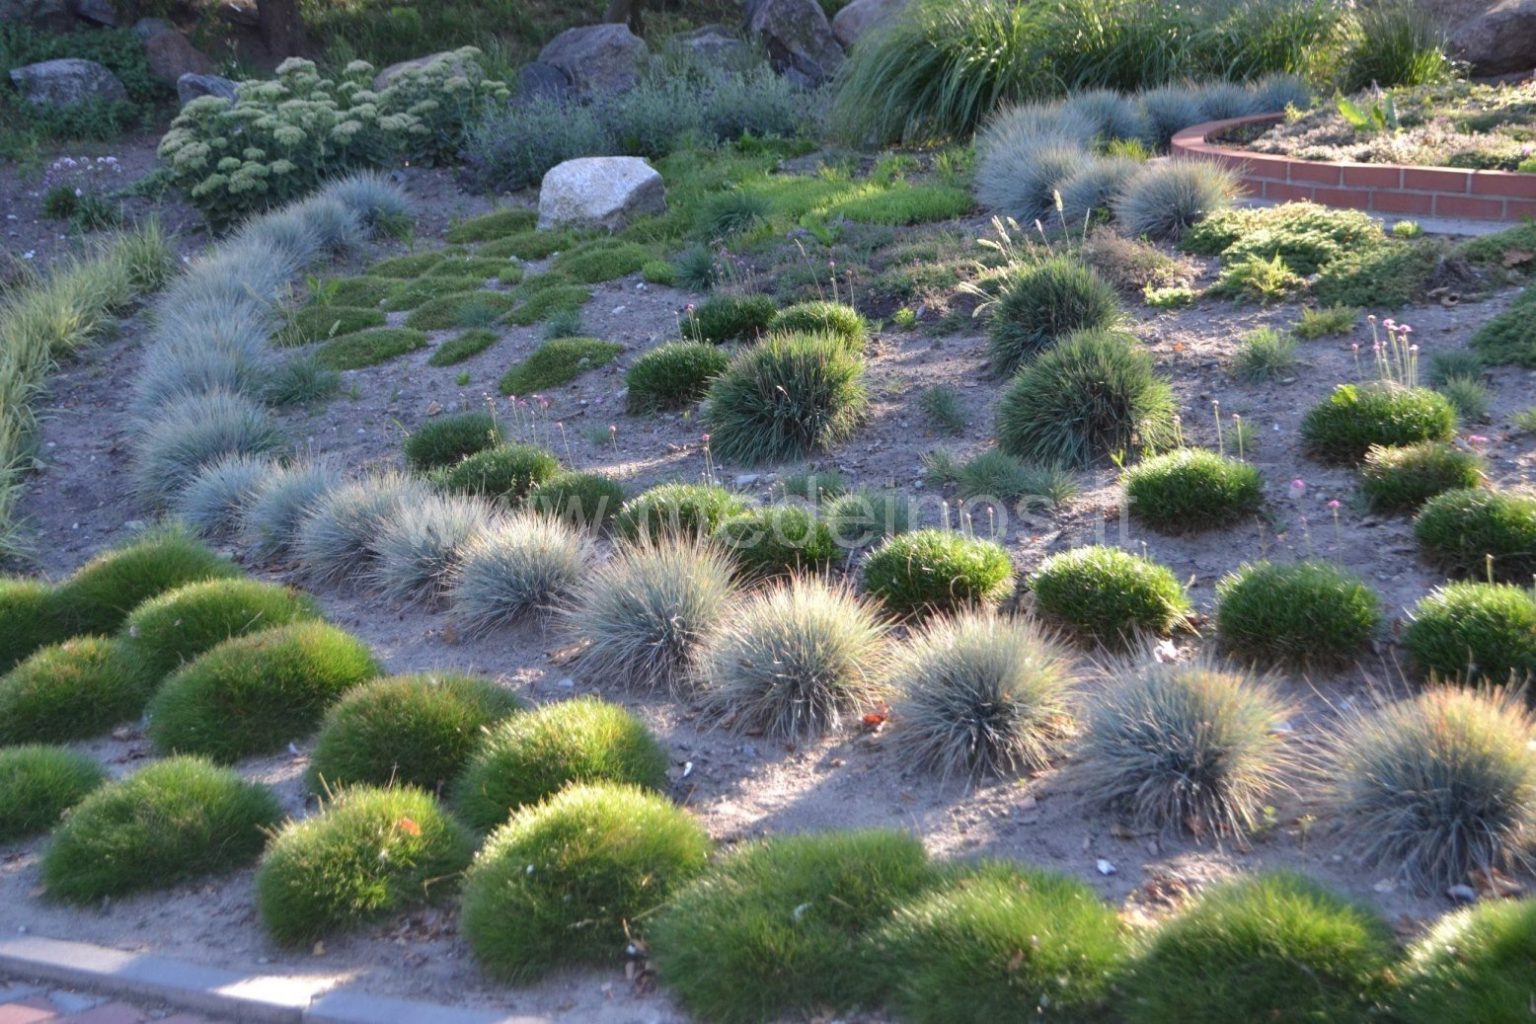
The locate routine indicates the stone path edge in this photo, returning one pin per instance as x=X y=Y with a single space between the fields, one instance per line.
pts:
x=247 y=998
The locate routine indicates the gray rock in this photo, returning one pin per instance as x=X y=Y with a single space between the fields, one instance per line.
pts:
x=147 y=28
x=1498 y=40
x=97 y=12
x=67 y=82
x=170 y=55
x=597 y=58
x=850 y=23
x=600 y=192
x=798 y=38
x=712 y=44
x=394 y=71
x=538 y=80
x=191 y=87
x=239 y=12
x=53 y=15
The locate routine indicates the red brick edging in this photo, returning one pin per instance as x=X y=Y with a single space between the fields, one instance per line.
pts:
x=1390 y=189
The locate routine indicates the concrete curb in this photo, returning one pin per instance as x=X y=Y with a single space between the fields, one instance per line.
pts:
x=253 y=998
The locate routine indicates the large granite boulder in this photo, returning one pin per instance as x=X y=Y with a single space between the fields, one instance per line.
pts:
x=53 y=15
x=67 y=82
x=606 y=192
x=1495 y=39
x=597 y=58
x=170 y=56
x=192 y=87
x=539 y=81
x=798 y=38
x=712 y=44
x=850 y=23
x=394 y=71
x=96 y=12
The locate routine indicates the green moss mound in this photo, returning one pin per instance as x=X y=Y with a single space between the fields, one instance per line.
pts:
x=571 y=880
x=558 y=362
x=1108 y=595
x=529 y=244
x=1478 y=964
x=70 y=691
x=175 y=820
x=1344 y=426
x=1300 y=612
x=490 y=226
x=602 y=260
x=38 y=784
x=29 y=618
x=1042 y=304
x=417 y=730
x=509 y=472
x=549 y=300
x=1474 y=632
x=101 y=593
x=694 y=510
x=455 y=350
x=447 y=440
x=167 y=631
x=589 y=500
x=473 y=308
x=255 y=694
x=1192 y=489
x=726 y=318
x=323 y=322
x=1276 y=947
x=834 y=318
x=936 y=571
x=1403 y=479
x=1509 y=339
x=367 y=854
x=362 y=292
x=368 y=348
x=1478 y=534
x=532 y=756
x=957 y=952
x=673 y=376
x=780 y=928
x=778 y=540
x=409 y=295
x=407 y=266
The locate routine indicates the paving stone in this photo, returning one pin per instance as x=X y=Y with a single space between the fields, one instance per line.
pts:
x=28 y=1011
x=109 y=1013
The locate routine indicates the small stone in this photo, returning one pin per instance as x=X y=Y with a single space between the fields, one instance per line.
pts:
x=1462 y=894
x=1105 y=867
x=1385 y=886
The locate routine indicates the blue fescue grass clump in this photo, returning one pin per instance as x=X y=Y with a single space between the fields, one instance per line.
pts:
x=270 y=519
x=336 y=537
x=525 y=566
x=1109 y=596
x=418 y=551
x=1164 y=200
x=38 y=784
x=194 y=432
x=936 y=571
x=1300 y=612
x=210 y=505
x=69 y=691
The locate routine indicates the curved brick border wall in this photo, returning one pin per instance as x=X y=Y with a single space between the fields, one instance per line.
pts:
x=1381 y=188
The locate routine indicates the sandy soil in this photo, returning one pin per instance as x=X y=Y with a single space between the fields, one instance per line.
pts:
x=741 y=786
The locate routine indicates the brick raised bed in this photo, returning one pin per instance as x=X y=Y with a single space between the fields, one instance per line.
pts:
x=1390 y=189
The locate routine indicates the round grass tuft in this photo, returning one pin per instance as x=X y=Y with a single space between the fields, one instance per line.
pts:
x=586 y=500
x=673 y=376
x=937 y=571
x=194 y=432
x=1043 y=303
x=687 y=510
x=957 y=953
x=1165 y=199
x=508 y=472
x=1474 y=632
x=778 y=540
x=101 y=593
x=1305 y=612
x=1403 y=479
x=38 y=784
x=1476 y=964
x=1439 y=786
x=527 y=565
x=793 y=661
x=785 y=398
x=981 y=695
x=1093 y=395
x=270 y=519
x=29 y=619
x=448 y=439
x=570 y=880
x=1192 y=489
x=821 y=317
x=778 y=928
x=1477 y=534
x=1185 y=747
x=336 y=540
x=69 y=691
x=1346 y=424
x=725 y=318
x=420 y=548
x=1270 y=948
x=860 y=518
x=1109 y=596
x=175 y=820
x=255 y=694
x=532 y=756
x=418 y=730
x=167 y=631
x=368 y=853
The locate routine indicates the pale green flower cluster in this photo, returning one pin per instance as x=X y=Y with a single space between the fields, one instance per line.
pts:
x=279 y=139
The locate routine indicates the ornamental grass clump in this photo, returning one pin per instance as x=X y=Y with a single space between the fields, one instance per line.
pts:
x=861 y=518
x=193 y=433
x=446 y=440
x=1402 y=479
x=1346 y=424
x=336 y=539
x=573 y=879
x=100 y=594
x=673 y=376
x=270 y=519
x=822 y=317
x=586 y=500
x=38 y=784
x=1473 y=964
x=1480 y=534
x=678 y=510
x=958 y=947
x=507 y=472
x=417 y=730
x=1277 y=946
x=1474 y=632
x=211 y=503
x=726 y=318
x=527 y=565
x=1164 y=200
x=1190 y=748
x=645 y=613
x=531 y=756
x=69 y=691
x=778 y=540
x=1106 y=595
x=173 y=821
x=1025 y=155
x=1093 y=395
x=1192 y=489
x=1043 y=303
x=275 y=684
x=1305 y=613
x=780 y=926
x=29 y=619
x=367 y=854
x=786 y=397
x=936 y=572
x=981 y=695
x=795 y=661
x=1440 y=787
x=418 y=551
x=168 y=631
